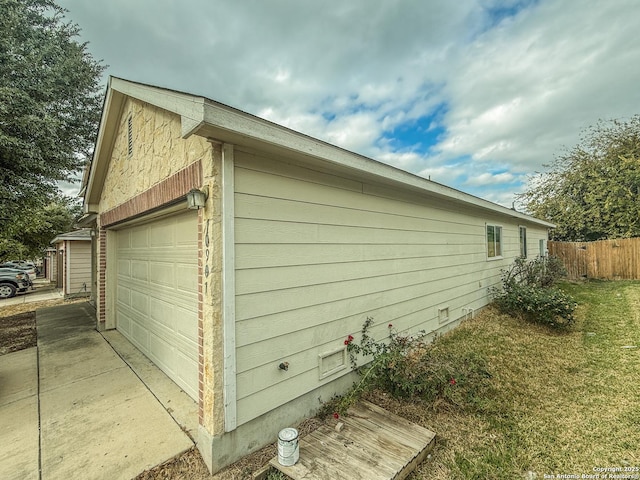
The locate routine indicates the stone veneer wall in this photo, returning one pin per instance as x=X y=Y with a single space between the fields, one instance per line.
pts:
x=212 y=361
x=158 y=152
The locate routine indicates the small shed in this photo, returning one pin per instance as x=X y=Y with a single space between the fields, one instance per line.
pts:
x=70 y=263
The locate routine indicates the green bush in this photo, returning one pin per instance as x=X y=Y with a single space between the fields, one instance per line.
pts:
x=549 y=306
x=541 y=271
x=527 y=291
x=409 y=366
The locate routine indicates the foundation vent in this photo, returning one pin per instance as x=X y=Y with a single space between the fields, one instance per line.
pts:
x=332 y=362
x=443 y=315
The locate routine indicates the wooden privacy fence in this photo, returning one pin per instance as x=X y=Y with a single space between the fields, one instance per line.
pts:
x=605 y=259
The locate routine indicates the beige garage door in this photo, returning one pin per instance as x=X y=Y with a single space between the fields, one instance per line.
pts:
x=157 y=294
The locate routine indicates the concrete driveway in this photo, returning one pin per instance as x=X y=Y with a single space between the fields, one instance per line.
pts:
x=74 y=408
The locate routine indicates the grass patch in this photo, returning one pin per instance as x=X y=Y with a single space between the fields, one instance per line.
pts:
x=559 y=401
x=562 y=402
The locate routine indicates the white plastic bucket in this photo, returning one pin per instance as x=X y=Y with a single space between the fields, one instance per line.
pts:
x=288 y=448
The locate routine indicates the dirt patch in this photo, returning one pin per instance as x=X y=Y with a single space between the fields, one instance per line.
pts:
x=190 y=464
x=10 y=310
x=18 y=323
x=17 y=332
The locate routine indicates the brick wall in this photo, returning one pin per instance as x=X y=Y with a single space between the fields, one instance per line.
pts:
x=201 y=365
x=162 y=194
x=102 y=269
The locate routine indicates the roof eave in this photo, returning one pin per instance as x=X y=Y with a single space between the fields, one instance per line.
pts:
x=231 y=125
x=213 y=120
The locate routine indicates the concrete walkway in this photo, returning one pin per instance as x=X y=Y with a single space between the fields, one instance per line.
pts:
x=72 y=407
x=44 y=290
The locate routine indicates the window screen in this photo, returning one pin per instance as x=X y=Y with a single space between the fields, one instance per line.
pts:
x=494 y=241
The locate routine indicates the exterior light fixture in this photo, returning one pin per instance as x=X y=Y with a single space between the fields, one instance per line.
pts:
x=196 y=199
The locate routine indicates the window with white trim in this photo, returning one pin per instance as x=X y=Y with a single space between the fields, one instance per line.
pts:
x=494 y=241
x=523 y=242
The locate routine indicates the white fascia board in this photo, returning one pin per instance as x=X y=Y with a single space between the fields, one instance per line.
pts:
x=64 y=239
x=84 y=234
x=99 y=146
x=79 y=239
x=242 y=124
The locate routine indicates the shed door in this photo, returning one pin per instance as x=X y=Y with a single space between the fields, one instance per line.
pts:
x=157 y=294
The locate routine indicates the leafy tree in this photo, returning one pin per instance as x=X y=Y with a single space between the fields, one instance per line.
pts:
x=31 y=232
x=50 y=104
x=592 y=192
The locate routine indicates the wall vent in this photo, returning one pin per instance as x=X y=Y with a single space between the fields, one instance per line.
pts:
x=130 y=135
x=332 y=362
x=443 y=315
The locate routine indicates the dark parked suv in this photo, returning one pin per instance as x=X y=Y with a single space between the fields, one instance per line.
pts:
x=13 y=281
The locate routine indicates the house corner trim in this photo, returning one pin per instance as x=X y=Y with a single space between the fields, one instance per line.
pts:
x=229 y=293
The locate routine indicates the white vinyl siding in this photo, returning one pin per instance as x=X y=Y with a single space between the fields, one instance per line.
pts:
x=317 y=253
x=157 y=294
x=79 y=257
x=52 y=264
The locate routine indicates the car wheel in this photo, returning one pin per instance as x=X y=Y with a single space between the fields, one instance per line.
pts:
x=7 y=290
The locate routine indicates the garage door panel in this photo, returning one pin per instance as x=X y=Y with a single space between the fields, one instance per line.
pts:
x=162 y=353
x=188 y=275
x=157 y=294
x=124 y=268
x=140 y=334
x=139 y=271
x=162 y=313
x=187 y=374
x=186 y=236
x=124 y=296
x=161 y=350
x=186 y=325
x=140 y=303
x=162 y=235
x=123 y=240
x=139 y=237
x=162 y=273
x=124 y=323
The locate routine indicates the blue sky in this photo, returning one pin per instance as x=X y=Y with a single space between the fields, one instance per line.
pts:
x=475 y=94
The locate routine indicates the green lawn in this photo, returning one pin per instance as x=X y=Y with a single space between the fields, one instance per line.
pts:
x=560 y=402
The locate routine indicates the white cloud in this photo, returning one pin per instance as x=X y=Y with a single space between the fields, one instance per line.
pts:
x=530 y=85
x=510 y=91
x=485 y=179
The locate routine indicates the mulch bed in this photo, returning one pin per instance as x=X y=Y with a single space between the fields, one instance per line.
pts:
x=17 y=332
